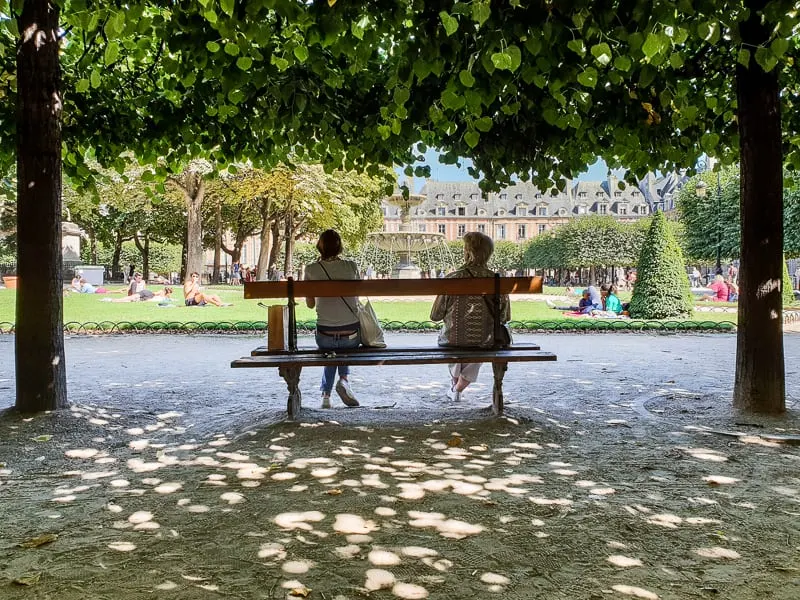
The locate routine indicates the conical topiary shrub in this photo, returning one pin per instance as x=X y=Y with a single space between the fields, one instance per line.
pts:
x=786 y=291
x=662 y=289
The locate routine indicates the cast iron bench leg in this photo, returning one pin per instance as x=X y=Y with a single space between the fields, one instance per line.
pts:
x=292 y=377
x=497 y=396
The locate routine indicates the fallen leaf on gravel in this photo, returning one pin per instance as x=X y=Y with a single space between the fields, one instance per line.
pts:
x=454 y=442
x=28 y=579
x=302 y=592
x=39 y=540
x=334 y=492
x=42 y=438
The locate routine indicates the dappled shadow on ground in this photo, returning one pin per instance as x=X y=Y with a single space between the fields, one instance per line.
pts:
x=542 y=504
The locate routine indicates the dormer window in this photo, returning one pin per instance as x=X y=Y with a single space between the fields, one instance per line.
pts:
x=635 y=193
x=645 y=209
x=461 y=211
x=538 y=195
x=456 y=196
x=622 y=209
x=581 y=194
x=602 y=209
x=599 y=194
x=501 y=212
x=503 y=196
x=562 y=212
x=440 y=196
x=482 y=212
x=522 y=208
x=542 y=211
x=582 y=209
x=441 y=211
x=473 y=196
x=518 y=197
x=617 y=194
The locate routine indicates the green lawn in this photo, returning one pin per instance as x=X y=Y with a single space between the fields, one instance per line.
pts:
x=89 y=309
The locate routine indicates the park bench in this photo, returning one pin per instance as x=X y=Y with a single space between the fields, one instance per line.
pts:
x=291 y=361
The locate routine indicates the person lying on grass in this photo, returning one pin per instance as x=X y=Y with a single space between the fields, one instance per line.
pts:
x=144 y=296
x=194 y=295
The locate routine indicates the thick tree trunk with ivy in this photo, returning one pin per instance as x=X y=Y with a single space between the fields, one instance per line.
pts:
x=193 y=189
x=760 y=374
x=39 y=340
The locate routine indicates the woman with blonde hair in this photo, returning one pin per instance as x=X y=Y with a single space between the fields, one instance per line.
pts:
x=469 y=321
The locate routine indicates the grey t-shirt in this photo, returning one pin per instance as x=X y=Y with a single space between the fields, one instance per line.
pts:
x=333 y=312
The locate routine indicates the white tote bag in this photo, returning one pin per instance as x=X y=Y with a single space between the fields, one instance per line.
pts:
x=371 y=332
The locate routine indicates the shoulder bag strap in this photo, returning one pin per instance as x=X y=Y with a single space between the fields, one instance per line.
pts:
x=355 y=314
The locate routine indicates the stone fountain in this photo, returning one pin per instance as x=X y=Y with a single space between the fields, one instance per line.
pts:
x=405 y=243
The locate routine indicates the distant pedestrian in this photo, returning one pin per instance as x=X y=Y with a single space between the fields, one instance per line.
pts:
x=236 y=277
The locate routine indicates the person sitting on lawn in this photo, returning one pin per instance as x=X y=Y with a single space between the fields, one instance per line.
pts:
x=733 y=290
x=719 y=289
x=137 y=285
x=469 y=320
x=611 y=302
x=84 y=287
x=585 y=304
x=144 y=296
x=194 y=295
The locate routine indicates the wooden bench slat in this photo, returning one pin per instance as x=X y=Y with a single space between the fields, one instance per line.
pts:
x=311 y=350
x=378 y=358
x=393 y=287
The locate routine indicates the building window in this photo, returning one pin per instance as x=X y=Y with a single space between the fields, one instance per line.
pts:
x=562 y=212
x=440 y=196
x=473 y=196
x=582 y=209
x=644 y=210
x=542 y=211
x=522 y=209
x=617 y=194
x=581 y=194
x=481 y=228
x=538 y=195
x=423 y=227
x=622 y=209
x=602 y=209
x=462 y=229
x=482 y=212
x=462 y=211
x=441 y=228
x=634 y=193
x=500 y=232
x=503 y=196
x=501 y=212
x=542 y=228
x=518 y=197
x=441 y=211
x=456 y=196
x=521 y=232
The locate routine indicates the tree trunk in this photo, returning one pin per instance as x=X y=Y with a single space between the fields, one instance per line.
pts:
x=276 y=244
x=215 y=276
x=760 y=374
x=289 y=249
x=115 y=267
x=193 y=188
x=92 y=247
x=146 y=256
x=41 y=382
x=262 y=267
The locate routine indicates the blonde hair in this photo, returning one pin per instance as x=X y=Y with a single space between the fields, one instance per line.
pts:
x=478 y=248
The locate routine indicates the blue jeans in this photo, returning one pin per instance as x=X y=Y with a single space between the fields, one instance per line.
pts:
x=335 y=342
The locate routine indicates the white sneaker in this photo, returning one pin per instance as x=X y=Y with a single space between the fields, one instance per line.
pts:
x=550 y=303
x=453 y=395
x=346 y=393
x=326 y=401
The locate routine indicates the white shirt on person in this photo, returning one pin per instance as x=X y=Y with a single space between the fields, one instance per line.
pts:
x=333 y=312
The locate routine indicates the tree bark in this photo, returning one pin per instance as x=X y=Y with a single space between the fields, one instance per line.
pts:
x=115 y=268
x=41 y=381
x=262 y=268
x=289 y=249
x=276 y=244
x=193 y=188
x=215 y=275
x=760 y=374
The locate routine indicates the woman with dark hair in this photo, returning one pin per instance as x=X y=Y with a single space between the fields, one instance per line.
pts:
x=337 y=318
x=469 y=320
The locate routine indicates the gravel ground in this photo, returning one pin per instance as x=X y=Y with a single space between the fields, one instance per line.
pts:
x=620 y=471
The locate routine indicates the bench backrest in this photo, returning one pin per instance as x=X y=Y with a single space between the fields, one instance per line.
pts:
x=291 y=290
x=393 y=287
